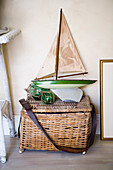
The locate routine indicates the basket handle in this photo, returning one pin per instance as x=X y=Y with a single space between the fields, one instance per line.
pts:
x=28 y=108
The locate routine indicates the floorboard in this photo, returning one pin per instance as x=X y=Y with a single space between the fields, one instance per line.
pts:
x=98 y=157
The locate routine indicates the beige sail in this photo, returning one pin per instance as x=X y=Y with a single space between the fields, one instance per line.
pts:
x=48 y=67
x=69 y=59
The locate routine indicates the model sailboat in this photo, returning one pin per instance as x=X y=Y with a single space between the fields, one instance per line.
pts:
x=63 y=61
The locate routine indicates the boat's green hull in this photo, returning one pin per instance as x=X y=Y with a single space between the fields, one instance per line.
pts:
x=55 y=84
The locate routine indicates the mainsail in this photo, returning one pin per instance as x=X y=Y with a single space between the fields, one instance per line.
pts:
x=69 y=61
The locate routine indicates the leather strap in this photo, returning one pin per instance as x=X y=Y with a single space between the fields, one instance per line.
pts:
x=28 y=108
x=19 y=128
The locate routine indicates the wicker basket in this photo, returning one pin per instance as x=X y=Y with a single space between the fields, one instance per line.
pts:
x=68 y=124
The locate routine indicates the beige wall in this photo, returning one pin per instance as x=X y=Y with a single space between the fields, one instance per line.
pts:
x=91 y=24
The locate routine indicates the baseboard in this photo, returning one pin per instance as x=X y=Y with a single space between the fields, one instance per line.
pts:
x=17 y=119
x=98 y=124
x=16 y=123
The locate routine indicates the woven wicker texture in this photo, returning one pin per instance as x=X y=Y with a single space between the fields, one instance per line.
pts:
x=59 y=106
x=65 y=129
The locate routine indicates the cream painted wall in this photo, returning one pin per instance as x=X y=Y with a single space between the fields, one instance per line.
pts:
x=91 y=24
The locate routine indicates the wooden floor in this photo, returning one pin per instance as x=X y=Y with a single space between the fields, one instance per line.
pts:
x=98 y=157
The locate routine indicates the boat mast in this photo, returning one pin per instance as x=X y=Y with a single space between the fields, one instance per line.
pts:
x=58 y=45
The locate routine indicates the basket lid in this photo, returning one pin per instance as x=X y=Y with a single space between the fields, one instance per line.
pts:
x=59 y=106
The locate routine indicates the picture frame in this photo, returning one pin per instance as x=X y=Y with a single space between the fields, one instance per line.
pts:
x=106 y=99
